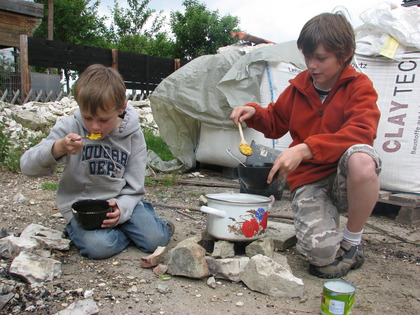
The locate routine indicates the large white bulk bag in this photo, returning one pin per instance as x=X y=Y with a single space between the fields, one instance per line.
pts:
x=397 y=142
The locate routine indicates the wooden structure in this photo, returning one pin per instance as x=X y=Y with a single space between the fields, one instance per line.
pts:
x=18 y=17
x=409 y=203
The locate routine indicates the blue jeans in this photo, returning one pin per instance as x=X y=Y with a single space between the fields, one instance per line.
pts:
x=144 y=229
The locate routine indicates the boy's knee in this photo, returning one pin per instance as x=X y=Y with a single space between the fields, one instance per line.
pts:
x=94 y=254
x=361 y=167
x=98 y=248
x=150 y=245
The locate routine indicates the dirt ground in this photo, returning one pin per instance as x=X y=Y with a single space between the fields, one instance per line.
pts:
x=388 y=282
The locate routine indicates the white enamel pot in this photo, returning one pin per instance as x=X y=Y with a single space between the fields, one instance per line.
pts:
x=237 y=217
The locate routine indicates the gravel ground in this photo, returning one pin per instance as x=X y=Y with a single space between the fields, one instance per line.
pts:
x=388 y=283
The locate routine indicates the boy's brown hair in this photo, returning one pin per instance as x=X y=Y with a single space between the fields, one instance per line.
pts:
x=333 y=31
x=99 y=87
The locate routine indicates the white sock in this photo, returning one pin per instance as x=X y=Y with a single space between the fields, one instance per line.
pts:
x=354 y=238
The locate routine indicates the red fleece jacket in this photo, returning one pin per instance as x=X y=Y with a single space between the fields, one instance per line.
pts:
x=348 y=116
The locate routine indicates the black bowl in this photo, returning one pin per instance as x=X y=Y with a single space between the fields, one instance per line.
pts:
x=255 y=176
x=90 y=213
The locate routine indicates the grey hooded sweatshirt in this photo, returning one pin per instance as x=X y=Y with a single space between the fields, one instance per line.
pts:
x=112 y=167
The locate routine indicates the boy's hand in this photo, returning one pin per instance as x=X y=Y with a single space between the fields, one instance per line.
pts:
x=289 y=160
x=242 y=113
x=70 y=144
x=112 y=217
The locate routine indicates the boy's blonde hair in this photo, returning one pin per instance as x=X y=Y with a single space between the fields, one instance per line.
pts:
x=333 y=31
x=99 y=87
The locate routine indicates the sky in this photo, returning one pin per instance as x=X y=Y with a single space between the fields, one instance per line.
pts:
x=274 y=20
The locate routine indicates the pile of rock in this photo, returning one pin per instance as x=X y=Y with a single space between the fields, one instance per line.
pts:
x=196 y=257
x=30 y=254
x=258 y=265
x=250 y=263
x=34 y=119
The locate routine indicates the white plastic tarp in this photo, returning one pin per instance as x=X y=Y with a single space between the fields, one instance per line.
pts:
x=384 y=20
x=206 y=89
x=242 y=83
x=188 y=97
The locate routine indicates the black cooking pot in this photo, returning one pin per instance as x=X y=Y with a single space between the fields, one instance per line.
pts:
x=255 y=176
x=90 y=213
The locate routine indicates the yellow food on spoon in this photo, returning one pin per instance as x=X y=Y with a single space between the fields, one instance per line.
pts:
x=245 y=149
x=94 y=136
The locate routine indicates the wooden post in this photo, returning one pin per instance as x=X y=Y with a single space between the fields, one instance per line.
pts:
x=114 y=53
x=51 y=26
x=25 y=72
x=177 y=64
x=147 y=79
x=50 y=19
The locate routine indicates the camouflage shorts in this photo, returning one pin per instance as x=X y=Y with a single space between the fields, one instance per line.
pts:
x=316 y=208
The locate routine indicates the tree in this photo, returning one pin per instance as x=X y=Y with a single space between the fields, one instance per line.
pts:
x=132 y=21
x=75 y=21
x=200 y=31
x=138 y=29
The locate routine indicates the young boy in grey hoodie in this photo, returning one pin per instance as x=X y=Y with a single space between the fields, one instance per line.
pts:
x=104 y=153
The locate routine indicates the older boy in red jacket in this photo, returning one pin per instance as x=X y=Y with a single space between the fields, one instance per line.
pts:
x=331 y=113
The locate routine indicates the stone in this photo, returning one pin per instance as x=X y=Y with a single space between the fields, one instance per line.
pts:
x=223 y=249
x=163 y=289
x=49 y=238
x=35 y=269
x=263 y=246
x=160 y=269
x=281 y=260
x=211 y=282
x=154 y=259
x=37 y=229
x=31 y=119
x=228 y=268
x=264 y=275
x=19 y=197
x=85 y=307
x=188 y=259
x=4 y=299
x=283 y=235
x=11 y=246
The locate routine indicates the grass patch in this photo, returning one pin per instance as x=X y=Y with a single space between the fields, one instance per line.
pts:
x=157 y=145
x=50 y=186
x=168 y=180
x=150 y=181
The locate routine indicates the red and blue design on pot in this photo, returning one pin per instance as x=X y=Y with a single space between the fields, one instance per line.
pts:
x=237 y=216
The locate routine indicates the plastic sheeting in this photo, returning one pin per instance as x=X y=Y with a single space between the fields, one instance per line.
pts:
x=206 y=89
x=242 y=83
x=384 y=20
x=188 y=97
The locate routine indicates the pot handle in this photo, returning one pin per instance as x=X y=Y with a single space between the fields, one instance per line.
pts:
x=213 y=211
